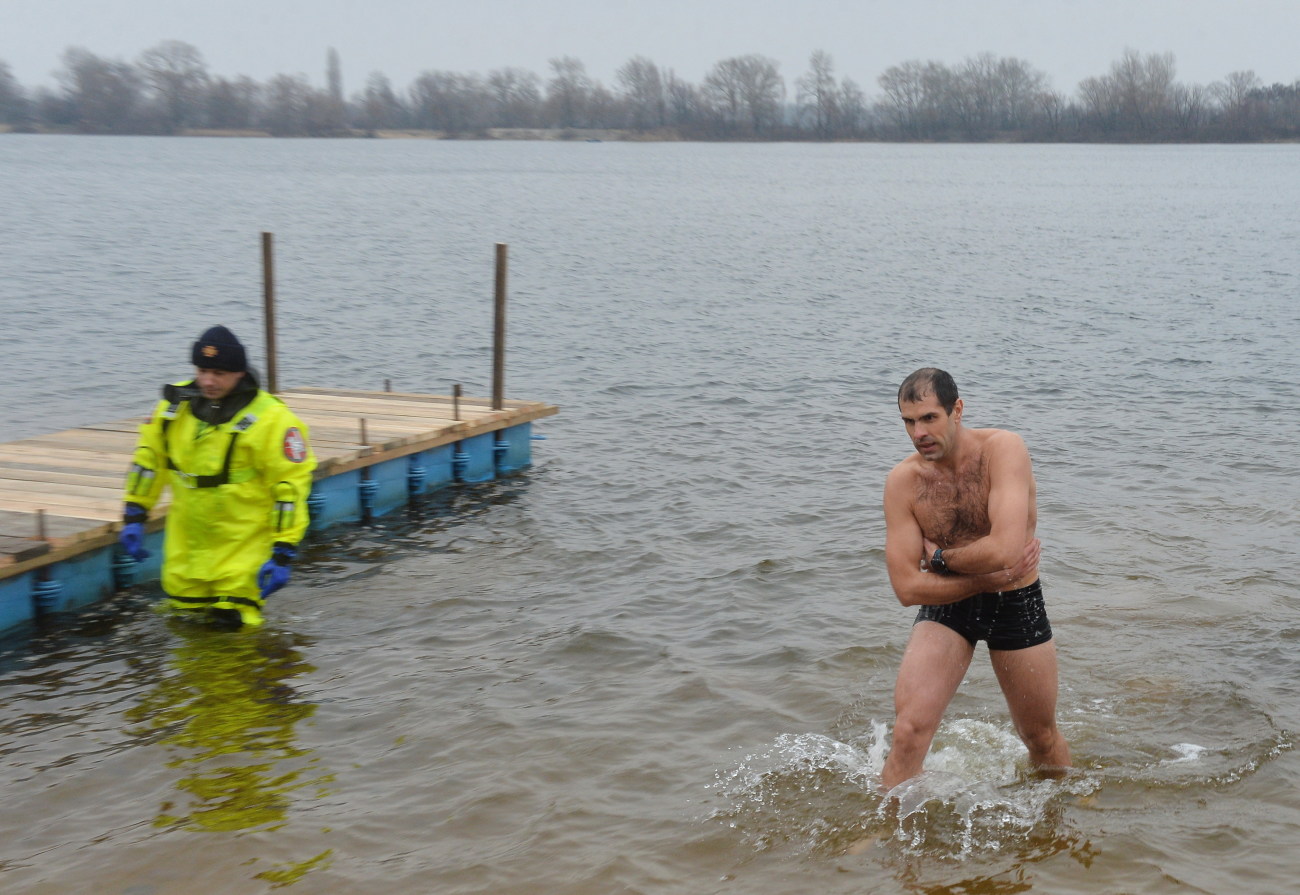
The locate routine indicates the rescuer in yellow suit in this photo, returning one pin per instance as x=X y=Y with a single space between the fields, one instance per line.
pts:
x=240 y=470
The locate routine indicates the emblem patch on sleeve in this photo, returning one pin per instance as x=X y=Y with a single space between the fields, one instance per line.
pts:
x=295 y=446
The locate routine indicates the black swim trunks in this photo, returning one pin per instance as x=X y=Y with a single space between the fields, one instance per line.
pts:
x=1008 y=619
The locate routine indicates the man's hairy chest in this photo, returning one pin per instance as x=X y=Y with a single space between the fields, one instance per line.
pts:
x=953 y=509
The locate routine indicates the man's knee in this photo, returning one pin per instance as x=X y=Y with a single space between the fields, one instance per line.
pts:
x=912 y=733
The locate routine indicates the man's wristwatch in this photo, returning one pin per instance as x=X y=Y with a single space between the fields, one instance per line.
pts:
x=937 y=563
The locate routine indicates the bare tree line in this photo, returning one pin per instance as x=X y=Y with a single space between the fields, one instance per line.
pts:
x=169 y=90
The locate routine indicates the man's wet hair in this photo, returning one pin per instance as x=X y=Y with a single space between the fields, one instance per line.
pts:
x=929 y=381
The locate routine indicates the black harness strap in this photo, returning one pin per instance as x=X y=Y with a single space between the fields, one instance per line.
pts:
x=208 y=481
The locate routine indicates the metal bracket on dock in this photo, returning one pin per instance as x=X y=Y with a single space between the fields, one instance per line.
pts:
x=368 y=488
x=45 y=596
x=416 y=475
x=123 y=569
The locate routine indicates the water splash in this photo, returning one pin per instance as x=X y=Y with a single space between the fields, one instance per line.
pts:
x=807 y=792
x=813 y=794
x=1186 y=752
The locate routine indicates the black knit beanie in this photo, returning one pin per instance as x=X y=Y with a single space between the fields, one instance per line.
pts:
x=218 y=349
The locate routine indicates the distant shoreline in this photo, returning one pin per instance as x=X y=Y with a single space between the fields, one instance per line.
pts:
x=567 y=134
x=609 y=135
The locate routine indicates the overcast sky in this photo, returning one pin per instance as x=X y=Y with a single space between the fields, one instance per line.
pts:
x=1067 y=39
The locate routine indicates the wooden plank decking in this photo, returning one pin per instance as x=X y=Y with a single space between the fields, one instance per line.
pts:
x=71 y=482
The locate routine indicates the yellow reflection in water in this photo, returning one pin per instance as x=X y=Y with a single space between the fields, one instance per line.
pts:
x=227 y=711
x=294 y=872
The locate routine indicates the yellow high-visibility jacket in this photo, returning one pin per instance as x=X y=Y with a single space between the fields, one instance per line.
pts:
x=237 y=488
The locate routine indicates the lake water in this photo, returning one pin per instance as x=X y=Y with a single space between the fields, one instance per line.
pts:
x=662 y=660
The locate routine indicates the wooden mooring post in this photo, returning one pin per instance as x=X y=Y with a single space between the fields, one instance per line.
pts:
x=268 y=304
x=499 y=333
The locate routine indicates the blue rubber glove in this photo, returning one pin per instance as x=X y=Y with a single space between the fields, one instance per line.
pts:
x=275 y=571
x=132 y=535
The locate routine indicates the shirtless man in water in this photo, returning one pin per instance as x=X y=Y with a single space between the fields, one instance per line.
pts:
x=960 y=516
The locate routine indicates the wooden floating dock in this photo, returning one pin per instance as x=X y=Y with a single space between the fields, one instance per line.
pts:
x=61 y=494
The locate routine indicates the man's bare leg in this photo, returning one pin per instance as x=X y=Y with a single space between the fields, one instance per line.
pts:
x=1029 y=681
x=933 y=666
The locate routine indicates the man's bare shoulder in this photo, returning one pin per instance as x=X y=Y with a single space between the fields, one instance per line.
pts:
x=902 y=482
x=998 y=440
x=906 y=469
x=901 y=488
x=1004 y=452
